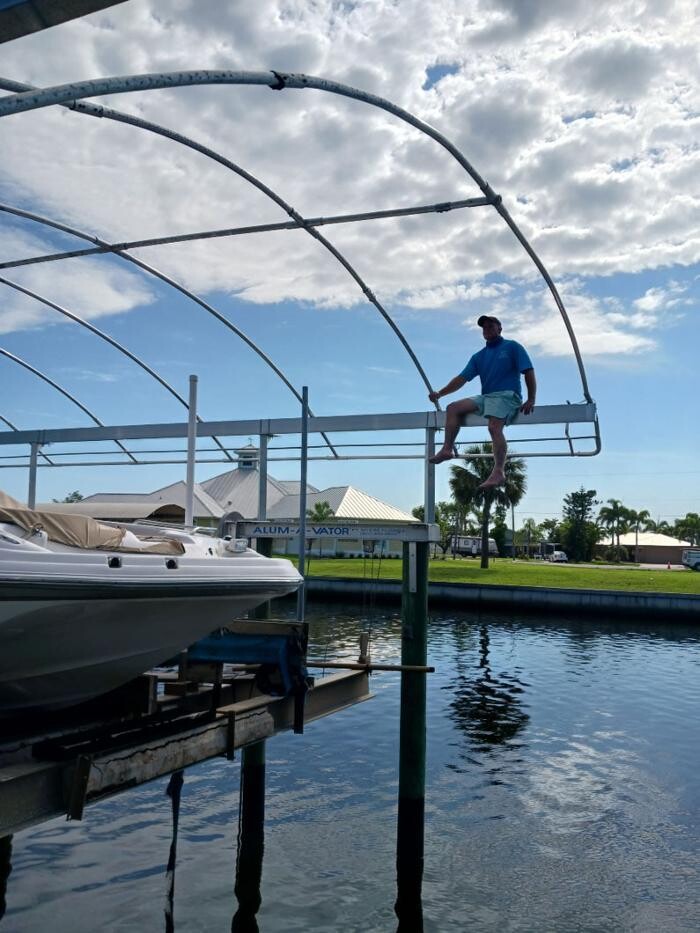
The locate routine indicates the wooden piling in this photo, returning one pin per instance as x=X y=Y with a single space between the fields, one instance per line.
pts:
x=251 y=839
x=5 y=869
x=411 y=810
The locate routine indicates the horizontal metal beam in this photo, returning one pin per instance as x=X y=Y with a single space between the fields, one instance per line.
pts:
x=33 y=791
x=441 y=208
x=396 y=421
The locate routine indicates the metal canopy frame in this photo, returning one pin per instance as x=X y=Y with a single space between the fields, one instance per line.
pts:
x=72 y=96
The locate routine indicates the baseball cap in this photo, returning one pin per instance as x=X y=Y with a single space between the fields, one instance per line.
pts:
x=485 y=318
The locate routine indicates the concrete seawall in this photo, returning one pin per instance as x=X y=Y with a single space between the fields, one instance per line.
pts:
x=647 y=606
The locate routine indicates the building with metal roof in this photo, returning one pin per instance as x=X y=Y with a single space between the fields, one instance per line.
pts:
x=650 y=547
x=234 y=491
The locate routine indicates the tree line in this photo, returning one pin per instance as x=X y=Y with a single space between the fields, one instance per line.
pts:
x=473 y=511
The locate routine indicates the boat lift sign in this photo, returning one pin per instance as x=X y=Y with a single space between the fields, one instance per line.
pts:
x=413 y=531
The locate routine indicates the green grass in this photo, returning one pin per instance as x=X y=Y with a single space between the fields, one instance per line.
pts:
x=506 y=572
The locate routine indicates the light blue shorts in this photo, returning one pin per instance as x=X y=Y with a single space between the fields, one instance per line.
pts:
x=504 y=405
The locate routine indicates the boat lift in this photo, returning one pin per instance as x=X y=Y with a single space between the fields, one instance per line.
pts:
x=39 y=790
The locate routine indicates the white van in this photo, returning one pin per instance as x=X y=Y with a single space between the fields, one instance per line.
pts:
x=558 y=557
x=691 y=559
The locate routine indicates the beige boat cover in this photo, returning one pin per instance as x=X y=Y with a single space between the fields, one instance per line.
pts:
x=81 y=531
x=7 y=502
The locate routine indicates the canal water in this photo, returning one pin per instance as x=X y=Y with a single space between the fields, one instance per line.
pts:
x=563 y=794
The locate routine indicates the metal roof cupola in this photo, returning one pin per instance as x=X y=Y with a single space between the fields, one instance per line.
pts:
x=248 y=457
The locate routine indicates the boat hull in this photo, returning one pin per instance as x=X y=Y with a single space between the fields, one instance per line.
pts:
x=64 y=643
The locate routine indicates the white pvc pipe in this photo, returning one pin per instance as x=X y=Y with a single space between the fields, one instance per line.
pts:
x=191 y=453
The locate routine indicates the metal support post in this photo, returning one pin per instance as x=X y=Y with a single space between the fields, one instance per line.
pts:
x=251 y=838
x=263 y=545
x=191 y=453
x=262 y=478
x=411 y=811
x=301 y=594
x=33 y=463
x=429 y=497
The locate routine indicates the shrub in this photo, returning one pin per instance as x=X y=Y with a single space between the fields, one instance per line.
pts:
x=617 y=554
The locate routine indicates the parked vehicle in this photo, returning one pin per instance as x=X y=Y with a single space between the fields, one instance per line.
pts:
x=558 y=557
x=691 y=558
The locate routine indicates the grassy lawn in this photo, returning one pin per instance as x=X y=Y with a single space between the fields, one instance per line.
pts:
x=504 y=571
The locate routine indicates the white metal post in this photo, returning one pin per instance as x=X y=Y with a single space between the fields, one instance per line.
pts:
x=191 y=453
x=262 y=475
x=301 y=596
x=33 y=462
x=429 y=494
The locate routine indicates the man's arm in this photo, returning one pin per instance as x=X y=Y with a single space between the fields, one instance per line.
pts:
x=455 y=383
x=531 y=384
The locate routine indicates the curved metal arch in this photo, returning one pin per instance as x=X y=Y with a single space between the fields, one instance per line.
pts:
x=64 y=392
x=64 y=93
x=111 y=341
x=151 y=270
x=118 y=116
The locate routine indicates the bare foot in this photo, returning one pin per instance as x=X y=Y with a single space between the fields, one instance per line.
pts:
x=497 y=478
x=441 y=456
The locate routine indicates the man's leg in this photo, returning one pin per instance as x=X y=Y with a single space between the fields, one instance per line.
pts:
x=500 y=449
x=454 y=413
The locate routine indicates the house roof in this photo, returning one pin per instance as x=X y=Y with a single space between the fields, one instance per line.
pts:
x=205 y=506
x=345 y=501
x=237 y=491
x=651 y=539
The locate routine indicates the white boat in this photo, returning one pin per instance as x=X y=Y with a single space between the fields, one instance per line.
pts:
x=86 y=606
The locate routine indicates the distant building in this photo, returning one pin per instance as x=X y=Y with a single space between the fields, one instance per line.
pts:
x=649 y=547
x=236 y=491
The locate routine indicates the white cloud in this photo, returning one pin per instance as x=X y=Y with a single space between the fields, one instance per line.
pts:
x=583 y=119
x=93 y=291
x=384 y=370
x=605 y=327
x=455 y=295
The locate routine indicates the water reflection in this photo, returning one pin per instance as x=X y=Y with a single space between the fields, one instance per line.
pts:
x=486 y=707
x=174 y=791
x=251 y=840
x=562 y=795
x=5 y=869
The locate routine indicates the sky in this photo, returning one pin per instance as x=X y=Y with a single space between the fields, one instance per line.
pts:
x=584 y=118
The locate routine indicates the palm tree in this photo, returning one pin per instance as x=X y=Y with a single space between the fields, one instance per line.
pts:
x=613 y=519
x=531 y=532
x=321 y=512
x=637 y=519
x=465 y=482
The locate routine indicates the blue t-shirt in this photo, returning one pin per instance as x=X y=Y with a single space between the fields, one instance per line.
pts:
x=499 y=365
